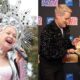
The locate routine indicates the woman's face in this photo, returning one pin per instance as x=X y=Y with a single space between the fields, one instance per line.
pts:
x=8 y=37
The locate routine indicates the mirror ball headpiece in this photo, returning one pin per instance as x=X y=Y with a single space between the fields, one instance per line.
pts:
x=13 y=17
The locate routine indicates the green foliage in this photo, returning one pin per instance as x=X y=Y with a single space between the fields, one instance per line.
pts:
x=33 y=53
x=1 y=2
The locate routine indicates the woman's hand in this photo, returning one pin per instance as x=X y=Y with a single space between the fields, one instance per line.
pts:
x=18 y=56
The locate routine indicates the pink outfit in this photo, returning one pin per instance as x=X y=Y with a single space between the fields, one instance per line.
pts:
x=5 y=73
x=23 y=69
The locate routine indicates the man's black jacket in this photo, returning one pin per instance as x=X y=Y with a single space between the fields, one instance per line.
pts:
x=53 y=46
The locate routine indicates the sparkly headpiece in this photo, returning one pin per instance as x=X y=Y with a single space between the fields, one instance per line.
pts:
x=14 y=18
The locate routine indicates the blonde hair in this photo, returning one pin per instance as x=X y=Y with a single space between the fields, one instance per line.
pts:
x=62 y=8
x=3 y=27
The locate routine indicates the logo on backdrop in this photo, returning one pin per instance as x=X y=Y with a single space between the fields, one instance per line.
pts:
x=49 y=20
x=73 y=21
x=39 y=20
x=71 y=37
x=69 y=2
x=49 y=3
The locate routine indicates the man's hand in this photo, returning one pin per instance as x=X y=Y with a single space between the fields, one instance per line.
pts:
x=71 y=51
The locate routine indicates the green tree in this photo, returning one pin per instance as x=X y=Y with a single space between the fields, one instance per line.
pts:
x=33 y=53
x=1 y=2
